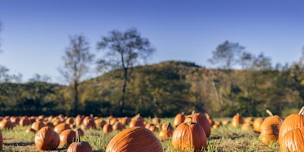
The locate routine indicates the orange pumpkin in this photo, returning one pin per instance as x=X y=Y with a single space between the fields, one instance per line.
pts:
x=291 y=137
x=237 y=120
x=46 y=139
x=6 y=124
x=99 y=123
x=166 y=132
x=118 y=126
x=179 y=118
x=203 y=121
x=80 y=147
x=67 y=137
x=37 y=125
x=257 y=124
x=189 y=136
x=24 y=121
x=61 y=127
x=107 y=128
x=270 y=129
x=136 y=139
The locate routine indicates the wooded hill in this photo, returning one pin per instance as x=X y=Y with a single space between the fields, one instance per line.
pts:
x=164 y=89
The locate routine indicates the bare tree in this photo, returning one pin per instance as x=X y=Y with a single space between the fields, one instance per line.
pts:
x=40 y=78
x=123 y=50
x=76 y=65
x=227 y=54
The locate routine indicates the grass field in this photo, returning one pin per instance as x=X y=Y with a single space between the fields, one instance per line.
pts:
x=223 y=139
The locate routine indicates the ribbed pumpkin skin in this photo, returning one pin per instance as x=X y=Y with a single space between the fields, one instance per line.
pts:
x=80 y=147
x=46 y=139
x=290 y=123
x=293 y=141
x=270 y=129
x=189 y=137
x=203 y=121
x=136 y=139
x=291 y=137
x=67 y=137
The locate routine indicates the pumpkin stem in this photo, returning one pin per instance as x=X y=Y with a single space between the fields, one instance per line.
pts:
x=269 y=112
x=301 y=111
x=193 y=112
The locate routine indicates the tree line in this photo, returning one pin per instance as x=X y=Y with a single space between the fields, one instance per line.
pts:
x=242 y=82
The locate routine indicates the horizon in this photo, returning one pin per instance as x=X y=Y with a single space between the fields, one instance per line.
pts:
x=184 y=31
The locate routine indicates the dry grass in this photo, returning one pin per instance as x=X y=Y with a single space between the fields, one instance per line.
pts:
x=223 y=139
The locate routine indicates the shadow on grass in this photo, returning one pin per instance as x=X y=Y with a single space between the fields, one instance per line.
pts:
x=19 y=144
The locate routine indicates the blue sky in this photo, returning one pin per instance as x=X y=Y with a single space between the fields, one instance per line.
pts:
x=35 y=32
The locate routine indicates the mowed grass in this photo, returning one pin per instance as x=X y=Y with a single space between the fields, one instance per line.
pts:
x=223 y=139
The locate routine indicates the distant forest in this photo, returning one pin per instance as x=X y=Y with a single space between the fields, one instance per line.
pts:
x=242 y=82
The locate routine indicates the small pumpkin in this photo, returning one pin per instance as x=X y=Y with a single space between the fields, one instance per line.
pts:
x=37 y=125
x=203 y=121
x=134 y=139
x=166 y=132
x=257 y=124
x=179 y=118
x=67 y=137
x=46 y=139
x=61 y=127
x=107 y=128
x=270 y=129
x=237 y=120
x=80 y=147
x=99 y=123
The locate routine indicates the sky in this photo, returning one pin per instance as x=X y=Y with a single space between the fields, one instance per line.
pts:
x=35 y=32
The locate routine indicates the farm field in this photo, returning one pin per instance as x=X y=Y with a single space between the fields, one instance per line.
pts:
x=223 y=139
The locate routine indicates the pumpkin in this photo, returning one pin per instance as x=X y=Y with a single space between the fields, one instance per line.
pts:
x=79 y=131
x=69 y=121
x=291 y=136
x=188 y=137
x=24 y=121
x=118 y=126
x=136 y=139
x=247 y=127
x=257 y=124
x=37 y=125
x=179 y=118
x=88 y=123
x=209 y=118
x=46 y=139
x=203 y=121
x=99 y=123
x=156 y=121
x=78 y=120
x=270 y=129
x=166 y=132
x=107 y=128
x=80 y=147
x=124 y=120
x=6 y=124
x=67 y=137
x=61 y=127
x=137 y=121
x=237 y=120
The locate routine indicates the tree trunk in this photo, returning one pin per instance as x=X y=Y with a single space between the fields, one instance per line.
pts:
x=123 y=91
x=76 y=98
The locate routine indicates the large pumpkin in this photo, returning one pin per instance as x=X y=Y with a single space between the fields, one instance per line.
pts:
x=189 y=136
x=257 y=124
x=291 y=137
x=136 y=139
x=46 y=139
x=80 y=147
x=1 y=141
x=270 y=129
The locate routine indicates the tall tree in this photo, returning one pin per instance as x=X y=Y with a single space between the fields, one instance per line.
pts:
x=227 y=54
x=123 y=50
x=77 y=59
